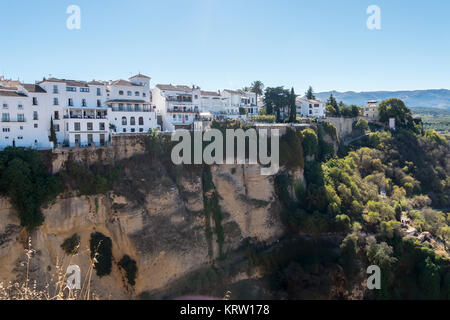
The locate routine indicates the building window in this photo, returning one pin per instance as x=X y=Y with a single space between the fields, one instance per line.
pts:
x=83 y=102
x=99 y=92
x=101 y=126
x=90 y=139
x=132 y=121
x=70 y=102
x=129 y=93
x=120 y=106
x=141 y=121
x=137 y=94
x=35 y=101
x=55 y=101
x=77 y=126
x=71 y=89
x=99 y=103
x=55 y=89
x=84 y=89
x=20 y=137
x=133 y=130
x=141 y=129
x=121 y=92
x=144 y=94
x=56 y=127
x=124 y=130
x=5 y=129
x=35 y=115
x=77 y=139
x=20 y=107
x=36 y=126
x=90 y=126
x=56 y=115
x=5 y=106
x=124 y=121
x=20 y=117
x=136 y=107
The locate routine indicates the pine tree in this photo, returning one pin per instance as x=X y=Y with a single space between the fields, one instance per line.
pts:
x=53 y=133
x=292 y=106
x=310 y=94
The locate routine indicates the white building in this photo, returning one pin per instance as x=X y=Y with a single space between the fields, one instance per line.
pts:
x=178 y=105
x=130 y=109
x=78 y=111
x=310 y=108
x=370 y=111
x=83 y=113
x=240 y=104
x=23 y=114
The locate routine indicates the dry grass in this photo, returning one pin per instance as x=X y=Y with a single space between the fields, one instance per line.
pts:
x=57 y=289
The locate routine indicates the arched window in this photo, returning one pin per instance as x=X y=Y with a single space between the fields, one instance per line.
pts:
x=129 y=93
x=124 y=121
x=136 y=93
x=132 y=121
x=121 y=92
x=141 y=121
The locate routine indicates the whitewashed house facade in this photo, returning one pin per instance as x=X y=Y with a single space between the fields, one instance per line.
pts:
x=310 y=108
x=178 y=105
x=130 y=109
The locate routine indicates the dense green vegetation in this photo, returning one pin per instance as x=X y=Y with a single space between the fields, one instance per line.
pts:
x=363 y=195
x=101 y=251
x=71 y=244
x=27 y=183
x=130 y=268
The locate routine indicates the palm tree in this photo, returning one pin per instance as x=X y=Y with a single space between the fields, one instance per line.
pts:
x=257 y=88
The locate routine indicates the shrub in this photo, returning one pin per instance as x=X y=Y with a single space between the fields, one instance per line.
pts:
x=130 y=267
x=101 y=250
x=71 y=245
x=24 y=179
x=310 y=142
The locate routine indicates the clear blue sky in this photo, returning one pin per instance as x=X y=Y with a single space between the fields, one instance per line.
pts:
x=219 y=44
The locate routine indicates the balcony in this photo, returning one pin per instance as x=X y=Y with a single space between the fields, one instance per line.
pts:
x=133 y=109
x=180 y=99
x=86 y=116
x=183 y=110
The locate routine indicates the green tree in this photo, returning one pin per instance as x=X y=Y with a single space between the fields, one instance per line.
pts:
x=310 y=94
x=101 y=250
x=53 y=133
x=310 y=142
x=395 y=108
x=257 y=88
x=276 y=100
x=292 y=106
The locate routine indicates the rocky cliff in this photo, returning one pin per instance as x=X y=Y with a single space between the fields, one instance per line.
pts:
x=160 y=221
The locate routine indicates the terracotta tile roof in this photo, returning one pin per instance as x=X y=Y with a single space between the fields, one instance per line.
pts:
x=123 y=83
x=169 y=87
x=69 y=83
x=7 y=93
x=140 y=75
x=33 y=88
x=210 y=93
x=96 y=83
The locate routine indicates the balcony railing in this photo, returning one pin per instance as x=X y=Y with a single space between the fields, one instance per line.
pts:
x=183 y=110
x=80 y=116
x=134 y=109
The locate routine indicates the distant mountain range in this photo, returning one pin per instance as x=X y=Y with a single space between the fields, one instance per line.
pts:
x=418 y=98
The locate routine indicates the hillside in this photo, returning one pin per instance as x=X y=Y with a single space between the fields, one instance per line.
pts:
x=439 y=98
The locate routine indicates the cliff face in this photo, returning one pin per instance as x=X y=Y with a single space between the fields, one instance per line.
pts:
x=160 y=222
